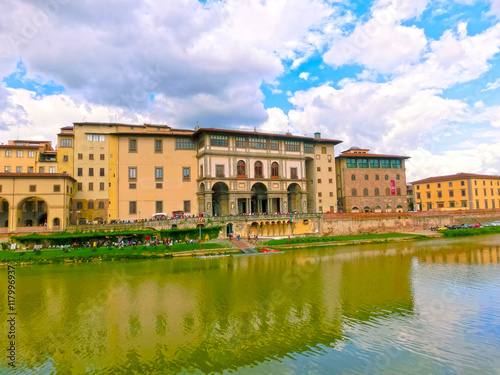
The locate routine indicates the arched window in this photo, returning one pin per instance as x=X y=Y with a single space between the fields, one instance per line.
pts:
x=275 y=173
x=377 y=177
x=377 y=191
x=101 y=205
x=201 y=171
x=397 y=177
x=398 y=191
x=90 y=205
x=386 y=177
x=387 y=191
x=353 y=177
x=366 y=177
x=354 y=192
x=365 y=192
x=56 y=222
x=240 y=169
x=258 y=169
x=79 y=205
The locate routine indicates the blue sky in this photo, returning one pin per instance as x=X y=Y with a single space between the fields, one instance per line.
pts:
x=418 y=78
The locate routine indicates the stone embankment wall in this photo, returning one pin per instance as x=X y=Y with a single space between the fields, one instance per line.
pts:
x=345 y=224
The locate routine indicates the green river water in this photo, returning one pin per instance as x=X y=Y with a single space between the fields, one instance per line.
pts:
x=423 y=307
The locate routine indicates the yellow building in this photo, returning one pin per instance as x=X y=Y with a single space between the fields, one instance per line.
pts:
x=462 y=191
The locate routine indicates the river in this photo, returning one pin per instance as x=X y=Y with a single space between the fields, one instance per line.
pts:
x=422 y=307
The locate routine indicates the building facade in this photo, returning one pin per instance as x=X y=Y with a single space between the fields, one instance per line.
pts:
x=370 y=182
x=462 y=191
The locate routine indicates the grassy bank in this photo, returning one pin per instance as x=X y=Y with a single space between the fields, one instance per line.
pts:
x=312 y=240
x=98 y=253
x=470 y=231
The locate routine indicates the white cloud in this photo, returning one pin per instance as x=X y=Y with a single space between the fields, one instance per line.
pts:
x=492 y=85
x=304 y=75
x=277 y=122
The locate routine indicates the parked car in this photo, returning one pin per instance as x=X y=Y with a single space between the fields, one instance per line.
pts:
x=495 y=224
x=442 y=228
x=476 y=226
x=466 y=226
x=487 y=224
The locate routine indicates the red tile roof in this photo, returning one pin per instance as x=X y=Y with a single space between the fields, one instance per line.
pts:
x=458 y=176
x=246 y=132
x=361 y=155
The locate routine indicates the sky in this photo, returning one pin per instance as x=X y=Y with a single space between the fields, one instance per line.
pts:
x=417 y=78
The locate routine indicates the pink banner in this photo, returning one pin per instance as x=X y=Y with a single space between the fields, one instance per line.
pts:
x=393 y=187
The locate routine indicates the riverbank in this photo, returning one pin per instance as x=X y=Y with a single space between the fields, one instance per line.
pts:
x=94 y=254
x=100 y=254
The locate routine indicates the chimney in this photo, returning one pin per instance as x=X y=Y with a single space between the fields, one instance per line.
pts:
x=317 y=135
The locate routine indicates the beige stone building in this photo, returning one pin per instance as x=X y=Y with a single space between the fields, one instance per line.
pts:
x=371 y=182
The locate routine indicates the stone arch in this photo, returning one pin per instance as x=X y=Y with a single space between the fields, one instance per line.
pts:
x=4 y=212
x=32 y=211
x=399 y=208
x=355 y=209
x=366 y=209
x=56 y=222
x=202 y=187
x=241 y=169
x=294 y=197
x=258 y=169
x=258 y=199
x=377 y=209
x=220 y=199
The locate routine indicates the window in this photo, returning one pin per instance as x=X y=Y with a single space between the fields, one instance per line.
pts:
x=187 y=206
x=95 y=137
x=486 y=203
x=451 y=193
x=292 y=146
x=428 y=186
x=201 y=143
x=308 y=148
x=30 y=169
x=258 y=169
x=428 y=195
x=159 y=185
x=450 y=184
x=8 y=153
x=240 y=142
x=65 y=158
x=91 y=186
x=462 y=183
x=293 y=173
x=132 y=145
x=80 y=186
x=354 y=192
x=186 y=144
x=90 y=205
x=318 y=169
x=366 y=177
x=31 y=154
x=19 y=169
x=475 y=191
x=274 y=144
x=132 y=173
x=329 y=169
x=52 y=169
x=158 y=146
x=319 y=180
x=159 y=206
x=159 y=173
x=397 y=177
x=320 y=194
x=329 y=157
x=79 y=205
x=41 y=170
x=331 y=194
x=386 y=177
x=79 y=172
x=323 y=150
x=57 y=188
x=91 y=156
x=385 y=163
x=418 y=195
x=32 y=188
x=462 y=192
x=464 y=203
x=440 y=204
x=363 y=163
x=374 y=163
x=396 y=163
x=65 y=142
x=186 y=173
x=429 y=206
x=257 y=143
x=440 y=194
x=377 y=191
x=365 y=192
x=485 y=192
x=219 y=170
x=80 y=156
x=351 y=163
x=240 y=169
x=132 y=207
x=101 y=172
x=439 y=185
x=19 y=154
x=91 y=171
x=330 y=180
x=132 y=186
x=377 y=177
x=275 y=170
x=398 y=191
x=101 y=186
x=101 y=205
x=353 y=177
x=201 y=171
x=218 y=140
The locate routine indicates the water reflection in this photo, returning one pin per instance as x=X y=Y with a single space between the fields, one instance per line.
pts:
x=373 y=308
